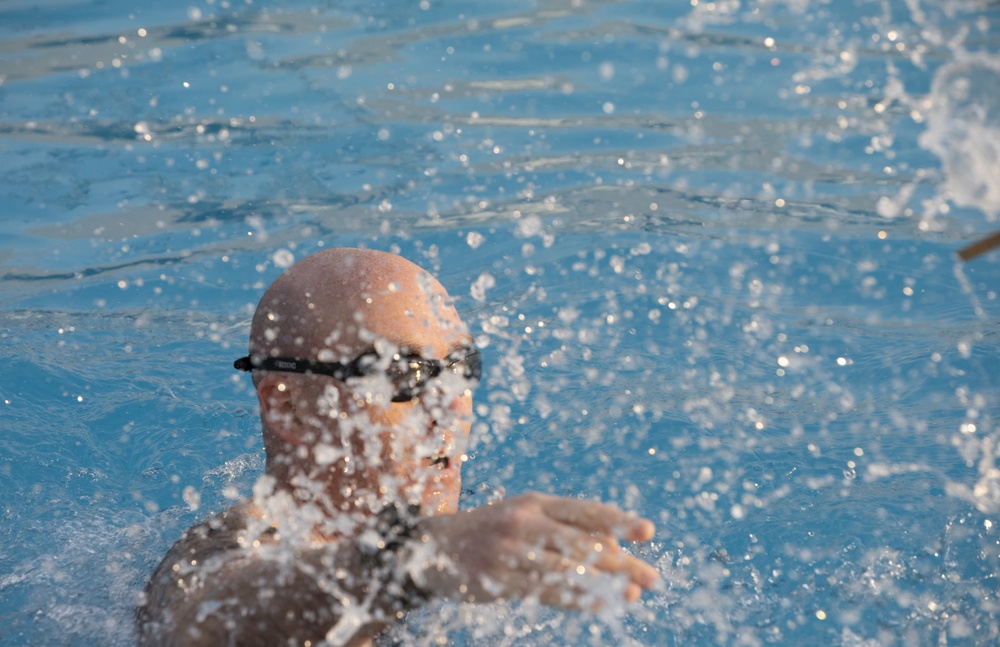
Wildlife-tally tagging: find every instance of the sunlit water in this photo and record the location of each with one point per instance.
(707, 248)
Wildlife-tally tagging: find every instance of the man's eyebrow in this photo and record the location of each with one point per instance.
(406, 345)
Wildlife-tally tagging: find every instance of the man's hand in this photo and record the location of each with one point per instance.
(555, 548)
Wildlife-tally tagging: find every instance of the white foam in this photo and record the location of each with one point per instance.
(963, 129)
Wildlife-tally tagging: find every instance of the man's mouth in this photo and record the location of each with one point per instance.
(441, 461)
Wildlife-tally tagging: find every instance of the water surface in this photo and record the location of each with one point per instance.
(707, 249)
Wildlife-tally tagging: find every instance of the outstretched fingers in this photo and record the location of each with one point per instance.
(565, 551)
(577, 558)
(597, 517)
(594, 550)
(563, 582)
(639, 572)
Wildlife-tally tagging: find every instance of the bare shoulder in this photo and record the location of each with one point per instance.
(235, 580)
(204, 552)
(203, 544)
(223, 532)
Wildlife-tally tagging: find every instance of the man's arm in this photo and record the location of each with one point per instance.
(562, 551)
(555, 548)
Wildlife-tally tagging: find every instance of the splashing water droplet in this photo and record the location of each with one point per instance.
(283, 258)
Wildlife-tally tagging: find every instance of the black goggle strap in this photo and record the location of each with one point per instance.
(472, 361)
(336, 370)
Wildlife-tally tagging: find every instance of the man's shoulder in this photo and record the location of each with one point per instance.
(225, 531)
(204, 547)
(207, 545)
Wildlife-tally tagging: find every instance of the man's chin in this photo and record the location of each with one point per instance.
(440, 502)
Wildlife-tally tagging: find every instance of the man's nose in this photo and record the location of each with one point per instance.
(461, 403)
(458, 406)
(456, 401)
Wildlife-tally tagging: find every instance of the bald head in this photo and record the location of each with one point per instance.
(338, 303)
(353, 436)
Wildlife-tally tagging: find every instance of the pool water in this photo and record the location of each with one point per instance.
(707, 248)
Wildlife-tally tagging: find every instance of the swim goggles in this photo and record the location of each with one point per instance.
(409, 373)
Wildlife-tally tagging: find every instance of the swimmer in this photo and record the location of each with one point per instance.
(365, 373)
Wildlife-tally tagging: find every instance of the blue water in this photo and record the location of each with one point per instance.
(707, 248)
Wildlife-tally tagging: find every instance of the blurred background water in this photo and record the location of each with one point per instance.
(707, 248)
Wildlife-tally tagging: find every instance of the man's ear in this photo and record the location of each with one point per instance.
(276, 394)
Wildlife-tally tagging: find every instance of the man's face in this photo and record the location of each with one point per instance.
(416, 447)
(412, 449)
